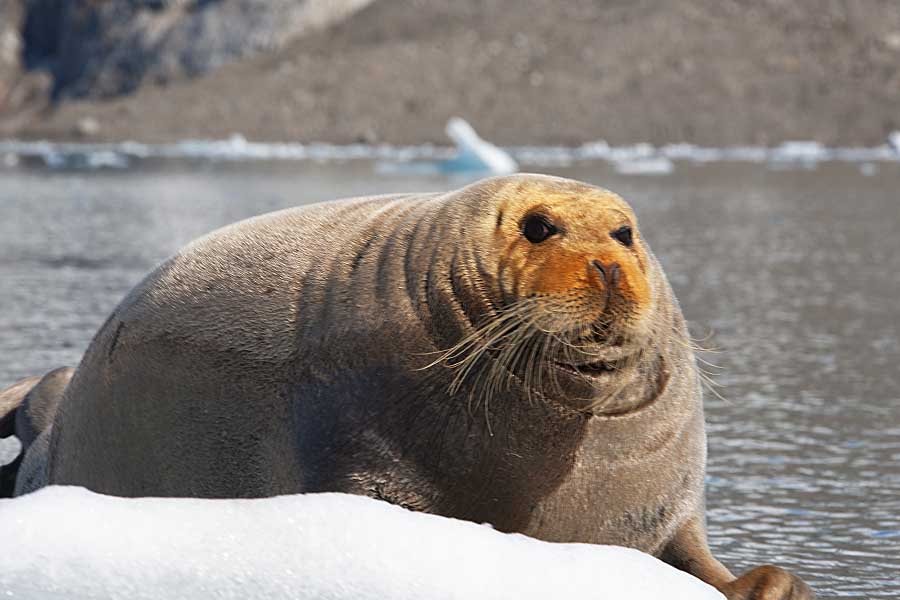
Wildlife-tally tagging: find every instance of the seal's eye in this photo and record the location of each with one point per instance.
(537, 228)
(623, 235)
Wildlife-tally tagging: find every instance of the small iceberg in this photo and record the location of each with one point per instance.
(472, 157)
(67, 542)
(474, 154)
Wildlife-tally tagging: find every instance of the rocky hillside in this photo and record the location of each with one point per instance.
(716, 72)
(23, 94)
(108, 48)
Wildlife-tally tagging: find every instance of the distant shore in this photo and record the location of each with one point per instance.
(531, 72)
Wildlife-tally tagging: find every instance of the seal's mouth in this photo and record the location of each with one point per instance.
(596, 369)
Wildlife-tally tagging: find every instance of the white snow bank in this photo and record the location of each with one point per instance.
(64, 542)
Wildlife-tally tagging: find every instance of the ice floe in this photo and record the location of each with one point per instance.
(65, 542)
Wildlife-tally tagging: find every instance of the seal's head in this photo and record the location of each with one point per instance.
(571, 286)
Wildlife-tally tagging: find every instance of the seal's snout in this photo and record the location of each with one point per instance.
(609, 274)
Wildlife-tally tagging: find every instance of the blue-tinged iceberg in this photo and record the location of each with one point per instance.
(475, 154)
(70, 543)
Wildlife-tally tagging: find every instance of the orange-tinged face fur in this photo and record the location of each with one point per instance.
(591, 269)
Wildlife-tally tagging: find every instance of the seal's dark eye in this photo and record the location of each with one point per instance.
(623, 235)
(537, 228)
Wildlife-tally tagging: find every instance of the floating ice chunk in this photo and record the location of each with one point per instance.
(868, 169)
(630, 153)
(409, 168)
(594, 150)
(474, 153)
(135, 149)
(855, 155)
(108, 159)
(653, 165)
(799, 151)
(746, 153)
(54, 159)
(894, 141)
(544, 156)
(70, 543)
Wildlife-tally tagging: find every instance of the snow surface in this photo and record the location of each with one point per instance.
(66, 542)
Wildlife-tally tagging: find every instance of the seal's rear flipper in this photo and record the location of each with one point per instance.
(10, 400)
(27, 409)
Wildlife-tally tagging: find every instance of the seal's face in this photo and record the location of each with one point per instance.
(580, 251)
(572, 278)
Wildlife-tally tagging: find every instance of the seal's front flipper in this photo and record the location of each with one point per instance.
(768, 581)
(689, 551)
(27, 409)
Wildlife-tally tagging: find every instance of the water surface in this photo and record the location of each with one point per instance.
(793, 276)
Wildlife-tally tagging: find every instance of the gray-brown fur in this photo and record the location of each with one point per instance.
(301, 351)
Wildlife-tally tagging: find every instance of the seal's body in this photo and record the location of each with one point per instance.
(507, 353)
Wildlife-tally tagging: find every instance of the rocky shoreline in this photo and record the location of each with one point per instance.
(708, 72)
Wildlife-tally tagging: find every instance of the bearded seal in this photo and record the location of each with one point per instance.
(508, 353)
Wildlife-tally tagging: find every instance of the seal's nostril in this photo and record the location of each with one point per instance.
(599, 266)
(613, 274)
(608, 273)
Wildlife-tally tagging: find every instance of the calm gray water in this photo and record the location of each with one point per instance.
(793, 276)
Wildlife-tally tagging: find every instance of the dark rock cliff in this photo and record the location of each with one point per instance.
(105, 48)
